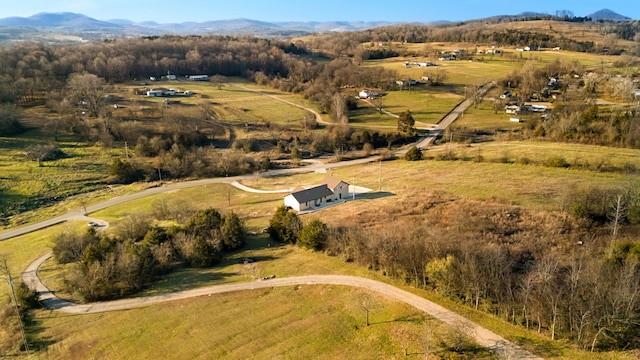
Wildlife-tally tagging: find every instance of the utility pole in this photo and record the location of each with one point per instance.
(380, 175)
(353, 193)
(15, 303)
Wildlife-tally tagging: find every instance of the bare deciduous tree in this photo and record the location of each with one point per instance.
(88, 90)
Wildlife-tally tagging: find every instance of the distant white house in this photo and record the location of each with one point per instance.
(331, 190)
(535, 108)
(636, 92)
(512, 109)
(171, 77)
(368, 94)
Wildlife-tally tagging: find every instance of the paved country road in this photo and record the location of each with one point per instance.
(482, 336)
(79, 213)
(451, 117)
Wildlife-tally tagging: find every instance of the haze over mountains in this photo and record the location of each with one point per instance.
(73, 27)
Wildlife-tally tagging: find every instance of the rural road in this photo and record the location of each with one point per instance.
(79, 213)
(482, 336)
(450, 118)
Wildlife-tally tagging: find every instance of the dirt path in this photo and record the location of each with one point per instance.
(79, 213)
(481, 335)
(315, 113)
(258, 191)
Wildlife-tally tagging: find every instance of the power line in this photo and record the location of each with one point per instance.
(17, 308)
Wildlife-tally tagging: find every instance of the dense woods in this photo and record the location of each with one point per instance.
(29, 70)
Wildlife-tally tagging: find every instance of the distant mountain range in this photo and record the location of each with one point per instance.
(68, 26)
(89, 28)
(606, 14)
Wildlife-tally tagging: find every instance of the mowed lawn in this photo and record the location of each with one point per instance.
(484, 117)
(428, 104)
(301, 322)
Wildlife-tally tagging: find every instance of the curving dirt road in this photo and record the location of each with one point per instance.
(315, 113)
(481, 335)
(79, 213)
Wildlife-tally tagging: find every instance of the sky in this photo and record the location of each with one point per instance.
(165, 11)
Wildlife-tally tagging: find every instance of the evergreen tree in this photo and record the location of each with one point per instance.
(284, 226)
(313, 235)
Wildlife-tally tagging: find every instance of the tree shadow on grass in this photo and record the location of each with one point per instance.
(541, 347)
(415, 318)
(33, 331)
(374, 195)
(187, 279)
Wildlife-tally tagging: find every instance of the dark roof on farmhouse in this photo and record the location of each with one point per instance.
(314, 193)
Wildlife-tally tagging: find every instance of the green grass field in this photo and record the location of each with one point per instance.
(24, 184)
(300, 322)
(428, 104)
(485, 118)
(232, 104)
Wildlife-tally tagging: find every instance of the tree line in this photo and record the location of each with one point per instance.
(109, 267)
(566, 275)
(30, 70)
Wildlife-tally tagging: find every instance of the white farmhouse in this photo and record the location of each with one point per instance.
(331, 190)
(161, 92)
